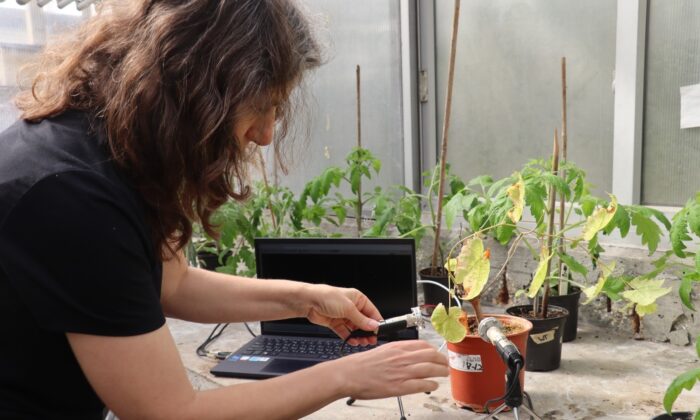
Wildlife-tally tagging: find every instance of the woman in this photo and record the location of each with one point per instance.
(134, 128)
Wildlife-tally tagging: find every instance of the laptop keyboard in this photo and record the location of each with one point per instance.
(301, 348)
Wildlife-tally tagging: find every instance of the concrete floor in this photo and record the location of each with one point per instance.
(601, 377)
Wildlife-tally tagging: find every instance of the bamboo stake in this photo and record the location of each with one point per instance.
(563, 283)
(552, 196)
(358, 205)
(267, 187)
(445, 130)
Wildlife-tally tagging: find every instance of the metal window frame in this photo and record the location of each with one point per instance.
(408, 10)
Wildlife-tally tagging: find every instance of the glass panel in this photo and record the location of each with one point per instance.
(670, 170)
(23, 31)
(507, 89)
(368, 34)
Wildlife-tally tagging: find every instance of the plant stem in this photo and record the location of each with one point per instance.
(550, 227)
(358, 203)
(476, 304)
(563, 285)
(445, 130)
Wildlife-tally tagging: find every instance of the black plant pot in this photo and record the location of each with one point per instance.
(545, 340)
(676, 415)
(434, 294)
(210, 261)
(570, 303)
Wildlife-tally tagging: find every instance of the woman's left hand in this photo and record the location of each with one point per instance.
(343, 310)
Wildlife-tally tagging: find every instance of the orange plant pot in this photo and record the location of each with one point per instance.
(477, 372)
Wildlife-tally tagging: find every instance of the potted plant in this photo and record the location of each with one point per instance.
(686, 266)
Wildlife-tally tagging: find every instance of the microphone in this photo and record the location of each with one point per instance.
(491, 331)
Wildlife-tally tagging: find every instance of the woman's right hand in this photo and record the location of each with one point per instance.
(393, 369)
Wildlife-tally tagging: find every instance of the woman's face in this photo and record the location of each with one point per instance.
(256, 126)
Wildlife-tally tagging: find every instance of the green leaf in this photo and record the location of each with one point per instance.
(340, 214)
(645, 292)
(593, 291)
(355, 180)
(679, 233)
(697, 261)
(599, 219)
(473, 267)
(660, 217)
(685, 291)
(535, 198)
(694, 219)
(697, 346)
(447, 324)
(588, 204)
(683, 381)
(614, 286)
(504, 234)
(621, 221)
(648, 230)
(516, 193)
(484, 181)
(451, 209)
(377, 165)
(540, 273)
(574, 265)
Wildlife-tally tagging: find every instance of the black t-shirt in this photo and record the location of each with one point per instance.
(75, 256)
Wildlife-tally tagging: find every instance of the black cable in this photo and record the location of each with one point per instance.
(247, 327)
(354, 334)
(518, 367)
(215, 333)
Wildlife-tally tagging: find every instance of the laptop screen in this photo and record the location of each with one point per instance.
(382, 269)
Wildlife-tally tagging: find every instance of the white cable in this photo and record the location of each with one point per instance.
(459, 304)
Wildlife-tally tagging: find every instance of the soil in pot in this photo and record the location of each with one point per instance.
(676, 415)
(477, 373)
(569, 302)
(432, 294)
(545, 340)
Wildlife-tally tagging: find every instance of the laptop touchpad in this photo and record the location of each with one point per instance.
(287, 365)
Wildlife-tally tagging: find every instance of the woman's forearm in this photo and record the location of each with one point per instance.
(205, 296)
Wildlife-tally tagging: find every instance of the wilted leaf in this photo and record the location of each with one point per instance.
(447, 324)
(473, 267)
(540, 273)
(599, 219)
(645, 292)
(516, 193)
(593, 291)
(642, 310)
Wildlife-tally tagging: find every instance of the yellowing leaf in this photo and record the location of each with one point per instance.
(645, 292)
(516, 193)
(540, 273)
(599, 219)
(451, 264)
(447, 324)
(473, 267)
(642, 310)
(593, 291)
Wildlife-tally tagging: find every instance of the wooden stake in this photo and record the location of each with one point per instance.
(563, 283)
(445, 131)
(550, 232)
(358, 205)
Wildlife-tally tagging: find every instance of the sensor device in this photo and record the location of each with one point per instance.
(491, 331)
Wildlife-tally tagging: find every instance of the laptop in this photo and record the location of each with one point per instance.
(383, 269)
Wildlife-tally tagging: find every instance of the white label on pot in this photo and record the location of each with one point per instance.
(544, 337)
(465, 362)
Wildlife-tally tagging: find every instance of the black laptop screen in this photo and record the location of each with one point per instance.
(383, 269)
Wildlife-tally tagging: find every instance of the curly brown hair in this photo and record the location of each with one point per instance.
(166, 79)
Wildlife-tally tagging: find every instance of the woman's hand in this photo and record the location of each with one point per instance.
(343, 310)
(392, 369)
